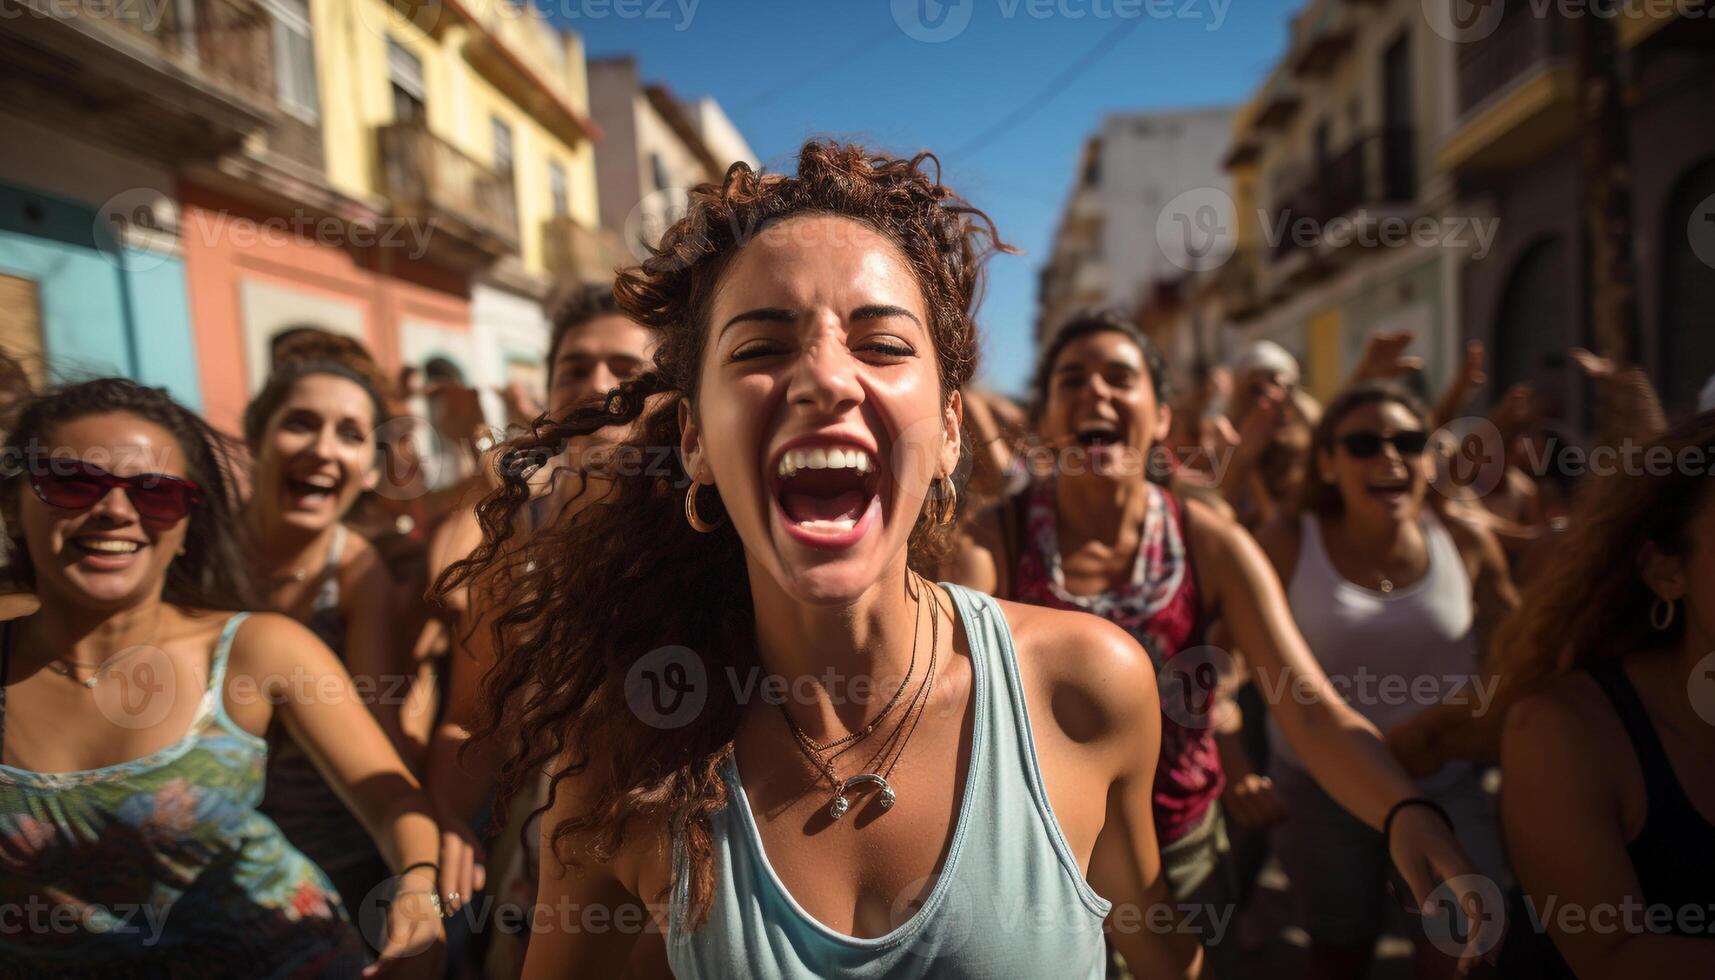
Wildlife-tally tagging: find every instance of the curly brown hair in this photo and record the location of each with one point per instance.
(580, 602)
(1596, 604)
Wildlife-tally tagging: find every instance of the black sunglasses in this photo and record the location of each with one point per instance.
(76, 485)
(1368, 445)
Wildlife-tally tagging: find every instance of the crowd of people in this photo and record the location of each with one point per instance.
(769, 645)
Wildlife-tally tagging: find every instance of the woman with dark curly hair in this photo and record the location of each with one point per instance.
(804, 758)
(133, 702)
(1610, 740)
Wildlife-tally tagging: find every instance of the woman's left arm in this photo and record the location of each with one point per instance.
(1340, 748)
(374, 654)
(320, 708)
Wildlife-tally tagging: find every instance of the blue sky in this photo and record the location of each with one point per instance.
(870, 70)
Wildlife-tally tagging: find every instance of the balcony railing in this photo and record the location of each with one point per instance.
(235, 47)
(1523, 43)
(1374, 170)
(572, 251)
(426, 177)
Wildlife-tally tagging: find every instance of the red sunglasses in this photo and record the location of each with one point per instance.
(76, 485)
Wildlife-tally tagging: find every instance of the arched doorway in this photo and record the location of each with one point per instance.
(1687, 328)
(1536, 325)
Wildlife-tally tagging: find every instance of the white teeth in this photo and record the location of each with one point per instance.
(110, 547)
(843, 524)
(822, 458)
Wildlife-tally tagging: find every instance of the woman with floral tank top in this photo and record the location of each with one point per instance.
(133, 701)
(1097, 533)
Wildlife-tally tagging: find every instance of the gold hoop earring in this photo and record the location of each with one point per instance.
(1662, 621)
(950, 502)
(691, 515)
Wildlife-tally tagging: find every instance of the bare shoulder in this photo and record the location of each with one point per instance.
(1567, 722)
(1075, 658)
(271, 643)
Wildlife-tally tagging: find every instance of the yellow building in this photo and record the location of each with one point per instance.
(434, 169)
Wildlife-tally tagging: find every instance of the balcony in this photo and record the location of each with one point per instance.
(574, 252)
(1374, 171)
(1515, 94)
(180, 79)
(472, 210)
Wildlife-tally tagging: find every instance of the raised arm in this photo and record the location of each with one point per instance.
(1341, 750)
(321, 710)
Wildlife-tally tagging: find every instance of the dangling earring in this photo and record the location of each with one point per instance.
(1662, 620)
(949, 501)
(691, 515)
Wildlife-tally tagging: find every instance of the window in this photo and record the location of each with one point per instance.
(502, 134)
(658, 170)
(405, 74)
(294, 59)
(557, 187)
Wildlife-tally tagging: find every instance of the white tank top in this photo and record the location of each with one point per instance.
(1390, 655)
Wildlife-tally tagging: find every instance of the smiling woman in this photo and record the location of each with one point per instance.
(311, 435)
(133, 698)
(902, 777)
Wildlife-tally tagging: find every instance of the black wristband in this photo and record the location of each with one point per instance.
(429, 864)
(1387, 824)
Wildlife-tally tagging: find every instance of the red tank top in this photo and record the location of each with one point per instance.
(1162, 609)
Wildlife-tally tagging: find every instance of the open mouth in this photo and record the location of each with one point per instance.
(1094, 435)
(312, 491)
(827, 493)
(104, 552)
(1390, 489)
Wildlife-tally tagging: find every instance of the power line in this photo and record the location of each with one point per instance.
(1046, 95)
(856, 51)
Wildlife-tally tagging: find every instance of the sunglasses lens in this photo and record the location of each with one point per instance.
(1363, 445)
(1411, 443)
(69, 492)
(163, 501)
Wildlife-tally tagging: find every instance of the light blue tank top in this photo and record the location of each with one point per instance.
(1010, 900)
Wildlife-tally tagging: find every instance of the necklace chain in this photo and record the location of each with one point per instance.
(906, 725)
